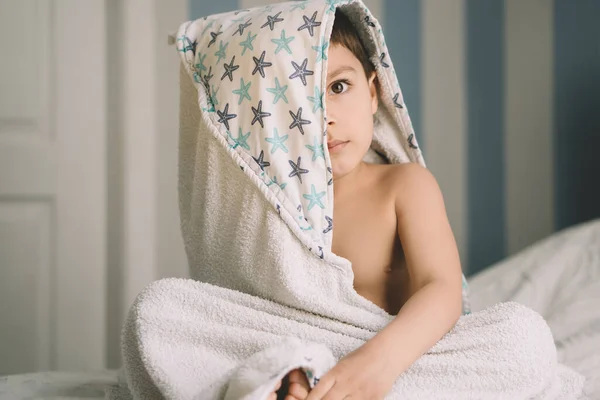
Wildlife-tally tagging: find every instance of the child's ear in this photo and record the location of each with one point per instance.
(373, 84)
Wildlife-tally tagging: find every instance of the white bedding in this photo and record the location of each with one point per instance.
(558, 277)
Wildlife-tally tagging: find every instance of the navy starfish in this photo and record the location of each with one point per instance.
(310, 23)
(241, 27)
(369, 22)
(329, 224)
(396, 101)
(208, 76)
(411, 139)
(383, 63)
(260, 160)
(298, 121)
(213, 35)
(261, 64)
(296, 169)
(259, 114)
(301, 71)
(229, 68)
(240, 11)
(271, 20)
(224, 116)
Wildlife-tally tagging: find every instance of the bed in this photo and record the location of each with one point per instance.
(559, 277)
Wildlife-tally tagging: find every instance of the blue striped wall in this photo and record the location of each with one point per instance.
(577, 110)
(505, 99)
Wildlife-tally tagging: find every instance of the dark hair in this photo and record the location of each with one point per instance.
(344, 34)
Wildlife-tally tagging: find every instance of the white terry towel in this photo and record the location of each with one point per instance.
(267, 294)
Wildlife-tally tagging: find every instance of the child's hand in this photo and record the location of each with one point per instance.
(362, 374)
(297, 388)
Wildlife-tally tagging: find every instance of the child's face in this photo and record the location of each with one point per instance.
(351, 101)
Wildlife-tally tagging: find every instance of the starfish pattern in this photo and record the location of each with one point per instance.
(330, 182)
(259, 114)
(314, 198)
(383, 63)
(271, 20)
(321, 51)
(278, 91)
(261, 64)
(329, 224)
(332, 4)
(229, 68)
(224, 116)
(241, 140)
(243, 91)
(267, 8)
(301, 5)
(369, 22)
(260, 160)
(318, 149)
(240, 11)
(283, 43)
(213, 95)
(187, 44)
(222, 52)
(213, 35)
(208, 26)
(281, 185)
(317, 100)
(310, 24)
(277, 141)
(247, 44)
(411, 141)
(296, 169)
(298, 121)
(206, 79)
(241, 27)
(398, 105)
(301, 71)
(200, 64)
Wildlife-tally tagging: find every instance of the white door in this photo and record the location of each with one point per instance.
(52, 185)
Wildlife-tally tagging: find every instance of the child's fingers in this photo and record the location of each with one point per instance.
(277, 387)
(298, 377)
(296, 392)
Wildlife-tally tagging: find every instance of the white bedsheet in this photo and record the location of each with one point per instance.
(558, 277)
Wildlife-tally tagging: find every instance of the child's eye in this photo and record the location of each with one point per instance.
(340, 86)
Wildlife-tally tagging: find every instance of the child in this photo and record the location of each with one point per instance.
(388, 218)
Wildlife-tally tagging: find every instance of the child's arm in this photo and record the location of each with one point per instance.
(434, 306)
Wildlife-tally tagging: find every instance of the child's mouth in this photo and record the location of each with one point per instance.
(336, 145)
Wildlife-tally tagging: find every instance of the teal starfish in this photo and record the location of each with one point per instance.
(239, 20)
(278, 91)
(315, 198)
(317, 100)
(200, 64)
(222, 52)
(243, 91)
(247, 44)
(241, 140)
(277, 141)
(283, 42)
(281, 185)
(213, 95)
(207, 27)
(267, 9)
(332, 4)
(321, 51)
(317, 149)
(301, 5)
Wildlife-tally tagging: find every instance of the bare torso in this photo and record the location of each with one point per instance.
(365, 233)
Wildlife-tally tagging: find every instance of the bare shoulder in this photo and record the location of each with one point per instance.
(414, 186)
